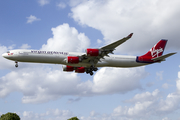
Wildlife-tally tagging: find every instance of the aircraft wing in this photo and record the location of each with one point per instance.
(104, 51)
(162, 58)
(112, 46)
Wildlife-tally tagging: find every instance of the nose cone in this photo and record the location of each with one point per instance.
(5, 55)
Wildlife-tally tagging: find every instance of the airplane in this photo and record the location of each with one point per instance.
(92, 59)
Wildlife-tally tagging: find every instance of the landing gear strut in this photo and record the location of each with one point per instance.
(16, 65)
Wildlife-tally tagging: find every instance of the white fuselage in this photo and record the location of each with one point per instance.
(54, 57)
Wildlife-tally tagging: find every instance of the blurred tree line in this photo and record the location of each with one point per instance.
(14, 116)
(73, 118)
(9, 116)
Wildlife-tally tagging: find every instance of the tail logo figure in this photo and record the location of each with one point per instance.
(155, 52)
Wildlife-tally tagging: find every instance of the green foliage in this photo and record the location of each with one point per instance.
(10, 116)
(73, 118)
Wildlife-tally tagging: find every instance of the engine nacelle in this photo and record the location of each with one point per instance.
(73, 59)
(93, 52)
(80, 70)
(68, 68)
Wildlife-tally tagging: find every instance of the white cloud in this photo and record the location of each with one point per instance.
(120, 80)
(11, 47)
(150, 84)
(117, 18)
(61, 5)
(71, 100)
(159, 75)
(139, 110)
(93, 114)
(170, 104)
(146, 96)
(42, 84)
(75, 2)
(166, 86)
(43, 2)
(66, 38)
(149, 107)
(166, 118)
(25, 46)
(178, 83)
(51, 114)
(32, 18)
(150, 104)
(99, 41)
(38, 84)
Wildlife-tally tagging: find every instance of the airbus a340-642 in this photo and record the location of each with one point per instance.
(91, 59)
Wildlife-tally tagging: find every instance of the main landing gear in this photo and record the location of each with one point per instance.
(91, 69)
(16, 65)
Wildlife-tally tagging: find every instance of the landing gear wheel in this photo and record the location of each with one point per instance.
(16, 65)
(95, 69)
(91, 73)
(87, 71)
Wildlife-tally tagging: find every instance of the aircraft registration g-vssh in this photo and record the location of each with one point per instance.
(92, 59)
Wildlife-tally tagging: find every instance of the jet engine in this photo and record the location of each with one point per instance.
(68, 68)
(93, 52)
(73, 59)
(80, 70)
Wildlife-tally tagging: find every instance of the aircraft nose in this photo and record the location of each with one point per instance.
(5, 55)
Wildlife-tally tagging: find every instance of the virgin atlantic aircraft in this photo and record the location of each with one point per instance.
(91, 59)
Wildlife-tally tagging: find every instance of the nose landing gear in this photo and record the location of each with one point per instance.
(16, 65)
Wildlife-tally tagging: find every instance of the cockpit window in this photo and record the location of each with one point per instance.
(8, 52)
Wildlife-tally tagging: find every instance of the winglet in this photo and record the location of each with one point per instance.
(130, 35)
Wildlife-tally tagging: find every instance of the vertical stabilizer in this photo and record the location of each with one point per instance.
(154, 52)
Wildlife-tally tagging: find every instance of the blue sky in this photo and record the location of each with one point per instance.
(45, 92)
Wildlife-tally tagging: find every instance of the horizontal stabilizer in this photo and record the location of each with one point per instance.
(162, 58)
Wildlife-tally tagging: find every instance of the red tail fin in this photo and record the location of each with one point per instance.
(154, 52)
